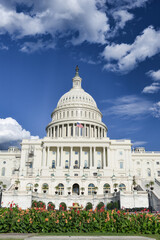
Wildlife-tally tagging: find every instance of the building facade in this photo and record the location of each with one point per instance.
(77, 159)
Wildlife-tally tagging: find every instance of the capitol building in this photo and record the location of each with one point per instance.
(78, 162)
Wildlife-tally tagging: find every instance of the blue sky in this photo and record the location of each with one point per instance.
(116, 45)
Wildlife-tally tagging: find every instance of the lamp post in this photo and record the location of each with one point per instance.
(0, 196)
(105, 198)
(151, 198)
(2, 188)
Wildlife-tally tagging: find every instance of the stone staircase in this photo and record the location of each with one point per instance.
(154, 197)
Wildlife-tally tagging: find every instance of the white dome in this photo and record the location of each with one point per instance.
(77, 97)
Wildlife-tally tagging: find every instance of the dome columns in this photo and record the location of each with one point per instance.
(72, 130)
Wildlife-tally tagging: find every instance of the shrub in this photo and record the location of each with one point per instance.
(39, 220)
(50, 206)
(39, 204)
(62, 206)
(113, 205)
(100, 205)
(88, 206)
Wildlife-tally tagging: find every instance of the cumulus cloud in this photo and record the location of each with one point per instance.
(56, 18)
(79, 20)
(125, 57)
(12, 131)
(155, 86)
(155, 75)
(121, 17)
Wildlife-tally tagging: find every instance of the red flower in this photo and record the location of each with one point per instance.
(60, 205)
(49, 205)
(11, 205)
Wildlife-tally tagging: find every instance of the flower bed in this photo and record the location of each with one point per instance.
(40, 220)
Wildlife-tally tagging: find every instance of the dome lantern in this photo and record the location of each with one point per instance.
(77, 80)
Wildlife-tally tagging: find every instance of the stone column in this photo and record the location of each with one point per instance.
(57, 160)
(61, 159)
(74, 133)
(70, 160)
(94, 159)
(89, 130)
(44, 156)
(104, 157)
(47, 161)
(90, 157)
(81, 164)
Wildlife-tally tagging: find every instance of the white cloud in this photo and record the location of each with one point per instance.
(156, 110)
(127, 4)
(56, 18)
(80, 20)
(29, 47)
(129, 106)
(145, 46)
(153, 88)
(139, 143)
(155, 75)
(132, 106)
(11, 131)
(121, 17)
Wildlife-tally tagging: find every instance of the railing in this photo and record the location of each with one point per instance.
(156, 181)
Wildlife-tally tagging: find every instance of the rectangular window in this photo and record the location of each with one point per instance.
(121, 165)
(53, 164)
(76, 153)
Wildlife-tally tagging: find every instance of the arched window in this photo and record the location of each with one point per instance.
(3, 171)
(53, 164)
(122, 187)
(61, 189)
(29, 187)
(106, 188)
(91, 189)
(66, 164)
(149, 172)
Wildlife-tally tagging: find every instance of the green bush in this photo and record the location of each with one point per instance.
(113, 205)
(100, 205)
(88, 206)
(50, 206)
(62, 206)
(39, 204)
(39, 220)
